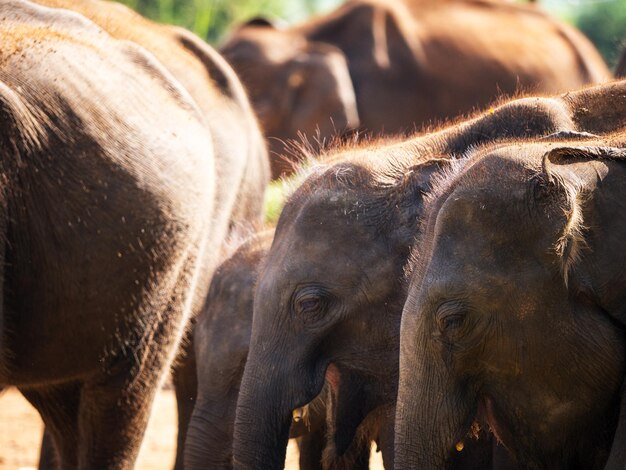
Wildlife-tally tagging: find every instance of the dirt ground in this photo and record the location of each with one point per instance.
(21, 429)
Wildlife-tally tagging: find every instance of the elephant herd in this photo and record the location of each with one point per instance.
(456, 295)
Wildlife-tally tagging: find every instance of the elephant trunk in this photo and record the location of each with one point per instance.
(186, 386)
(209, 436)
(267, 397)
(434, 409)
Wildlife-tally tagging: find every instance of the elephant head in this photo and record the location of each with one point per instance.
(327, 306)
(516, 307)
(299, 88)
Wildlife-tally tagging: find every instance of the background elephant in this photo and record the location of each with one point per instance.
(221, 341)
(240, 154)
(108, 221)
(329, 296)
(407, 64)
(515, 306)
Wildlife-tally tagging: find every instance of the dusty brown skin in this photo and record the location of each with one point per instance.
(515, 310)
(107, 226)
(241, 161)
(221, 340)
(330, 289)
(240, 154)
(409, 64)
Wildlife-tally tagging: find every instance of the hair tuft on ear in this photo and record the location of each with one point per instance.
(570, 244)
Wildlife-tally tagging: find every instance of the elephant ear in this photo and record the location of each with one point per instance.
(319, 98)
(566, 154)
(601, 285)
(410, 192)
(590, 241)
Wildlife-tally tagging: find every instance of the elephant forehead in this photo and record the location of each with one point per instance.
(491, 276)
(312, 262)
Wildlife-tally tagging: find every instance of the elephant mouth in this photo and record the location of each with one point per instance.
(487, 414)
(333, 378)
(349, 405)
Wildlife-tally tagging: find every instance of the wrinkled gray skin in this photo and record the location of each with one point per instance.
(221, 340)
(330, 290)
(241, 160)
(515, 311)
(389, 67)
(108, 220)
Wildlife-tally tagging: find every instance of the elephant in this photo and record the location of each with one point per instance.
(112, 218)
(515, 305)
(101, 250)
(221, 339)
(389, 67)
(330, 293)
(241, 161)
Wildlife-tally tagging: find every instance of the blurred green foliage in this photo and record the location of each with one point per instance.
(604, 22)
(275, 197)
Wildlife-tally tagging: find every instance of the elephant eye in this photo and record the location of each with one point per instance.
(309, 304)
(450, 316)
(308, 301)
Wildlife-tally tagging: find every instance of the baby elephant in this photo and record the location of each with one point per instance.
(221, 341)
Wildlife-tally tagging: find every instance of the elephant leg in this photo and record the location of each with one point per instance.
(186, 385)
(58, 407)
(113, 417)
(311, 446)
(210, 434)
(115, 405)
